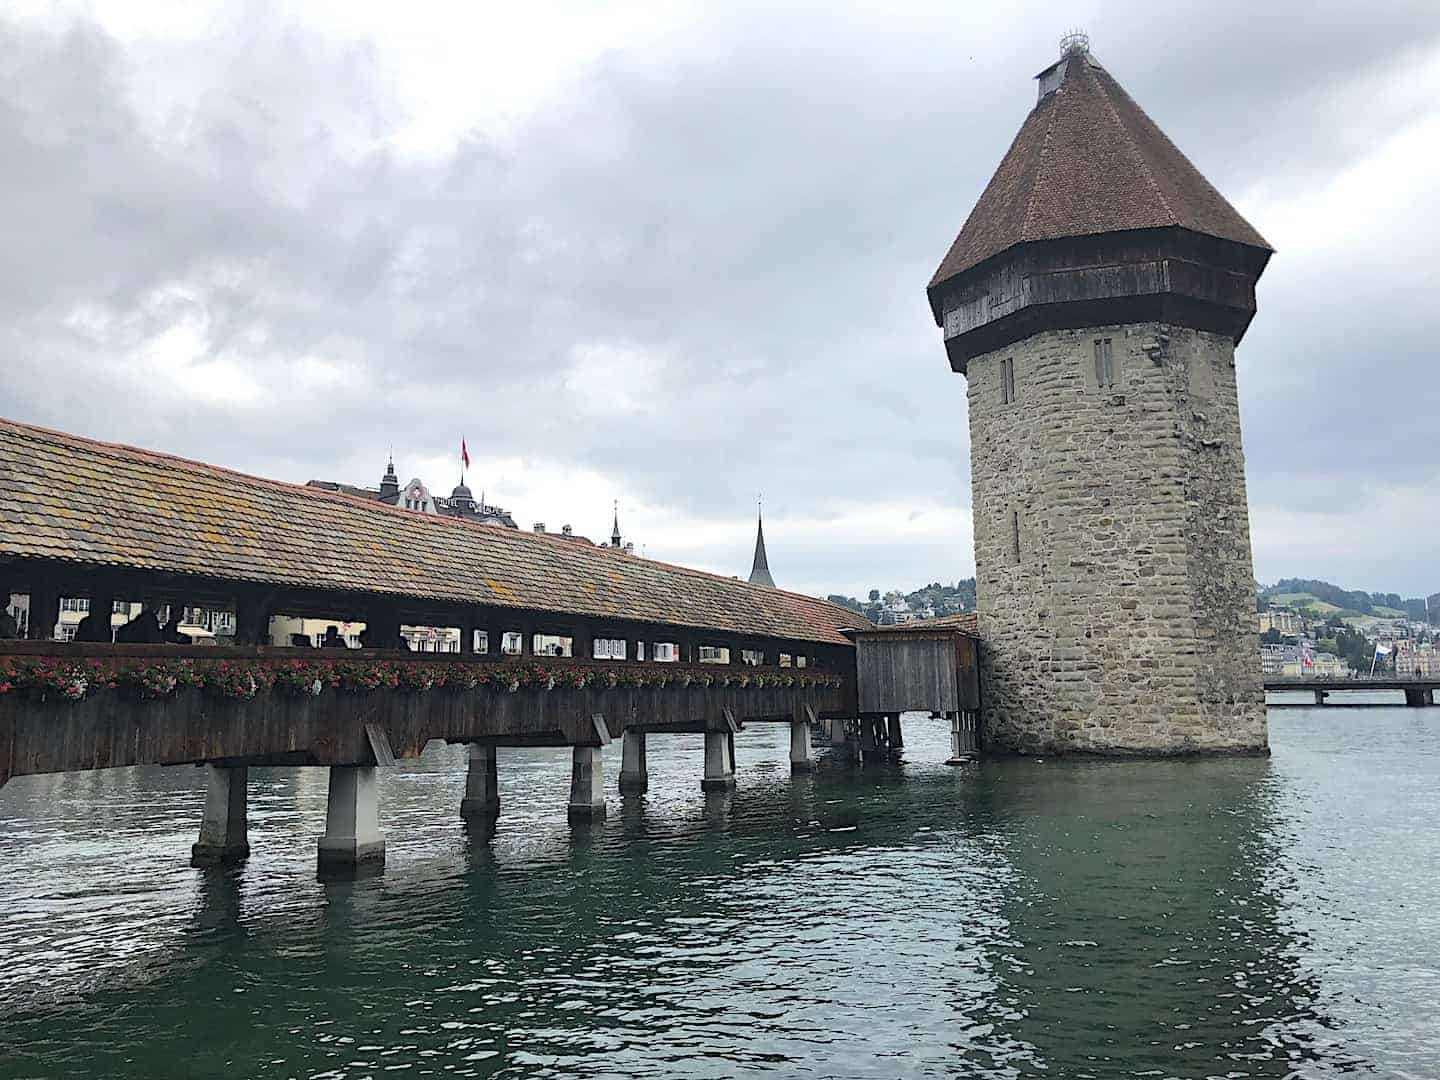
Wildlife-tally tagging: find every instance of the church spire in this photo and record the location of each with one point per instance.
(615, 529)
(760, 568)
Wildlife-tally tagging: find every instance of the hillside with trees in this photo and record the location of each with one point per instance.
(927, 602)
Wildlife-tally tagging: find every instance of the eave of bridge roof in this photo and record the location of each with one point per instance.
(64, 497)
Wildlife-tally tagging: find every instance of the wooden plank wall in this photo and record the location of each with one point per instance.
(907, 672)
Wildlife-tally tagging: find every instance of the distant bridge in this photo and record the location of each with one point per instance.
(1418, 692)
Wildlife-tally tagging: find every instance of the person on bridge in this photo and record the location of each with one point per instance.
(332, 639)
(143, 629)
(9, 629)
(95, 627)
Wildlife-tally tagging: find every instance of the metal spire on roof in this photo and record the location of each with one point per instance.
(615, 531)
(760, 568)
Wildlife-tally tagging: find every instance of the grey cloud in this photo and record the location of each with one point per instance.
(755, 210)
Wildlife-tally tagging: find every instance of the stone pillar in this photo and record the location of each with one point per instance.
(719, 761)
(634, 775)
(482, 792)
(352, 843)
(222, 829)
(587, 785)
(800, 758)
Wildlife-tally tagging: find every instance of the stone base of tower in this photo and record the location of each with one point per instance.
(1112, 545)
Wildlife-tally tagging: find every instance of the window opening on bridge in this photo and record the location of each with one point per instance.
(786, 660)
(639, 650)
(553, 645)
(609, 649)
(666, 652)
(1104, 364)
(753, 657)
(512, 643)
(714, 654)
(480, 641)
(1007, 380)
(801, 661)
(1015, 537)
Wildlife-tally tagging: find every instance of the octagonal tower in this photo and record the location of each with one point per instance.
(1093, 300)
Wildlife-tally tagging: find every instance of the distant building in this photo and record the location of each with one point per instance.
(415, 496)
(1281, 621)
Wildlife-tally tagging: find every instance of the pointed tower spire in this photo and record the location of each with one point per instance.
(615, 530)
(390, 483)
(760, 568)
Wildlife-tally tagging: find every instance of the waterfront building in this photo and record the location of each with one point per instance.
(1093, 299)
(1281, 621)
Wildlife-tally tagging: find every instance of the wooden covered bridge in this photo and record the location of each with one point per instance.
(562, 643)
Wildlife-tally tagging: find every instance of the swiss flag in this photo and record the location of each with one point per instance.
(464, 453)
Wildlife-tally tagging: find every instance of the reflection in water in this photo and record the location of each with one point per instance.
(1259, 918)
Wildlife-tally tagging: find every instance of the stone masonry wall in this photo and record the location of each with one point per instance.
(1126, 621)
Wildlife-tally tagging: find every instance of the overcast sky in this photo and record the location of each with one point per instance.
(675, 254)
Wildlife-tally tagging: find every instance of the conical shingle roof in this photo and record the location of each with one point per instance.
(1088, 160)
(760, 568)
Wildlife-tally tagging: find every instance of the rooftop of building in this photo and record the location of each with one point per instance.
(1088, 160)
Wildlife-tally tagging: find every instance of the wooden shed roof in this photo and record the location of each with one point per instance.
(69, 498)
(1088, 160)
(965, 622)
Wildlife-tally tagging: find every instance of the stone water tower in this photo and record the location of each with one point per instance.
(1093, 300)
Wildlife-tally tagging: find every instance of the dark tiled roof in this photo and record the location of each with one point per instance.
(65, 497)
(1088, 160)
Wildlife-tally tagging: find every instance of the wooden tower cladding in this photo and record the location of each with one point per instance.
(1094, 299)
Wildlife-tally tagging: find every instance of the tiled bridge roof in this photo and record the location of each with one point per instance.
(75, 499)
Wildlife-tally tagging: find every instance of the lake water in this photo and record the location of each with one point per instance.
(1245, 918)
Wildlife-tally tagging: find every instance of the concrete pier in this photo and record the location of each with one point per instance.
(634, 776)
(482, 792)
(587, 785)
(222, 830)
(352, 844)
(719, 761)
(801, 759)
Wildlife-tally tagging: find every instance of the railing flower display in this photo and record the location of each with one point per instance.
(48, 678)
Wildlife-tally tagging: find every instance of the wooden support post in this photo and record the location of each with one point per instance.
(1321, 695)
(44, 612)
(896, 738)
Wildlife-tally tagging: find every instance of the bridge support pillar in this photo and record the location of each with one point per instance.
(222, 830)
(897, 738)
(352, 844)
(1320, 696)
(962, 737)
(634, 775)
(482, 792)
(1417, 697)
(800, 757)
(719, 761)
(587, 785)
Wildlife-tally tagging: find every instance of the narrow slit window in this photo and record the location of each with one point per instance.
(1007, 380)
(1015, 537)
(1104, 364)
